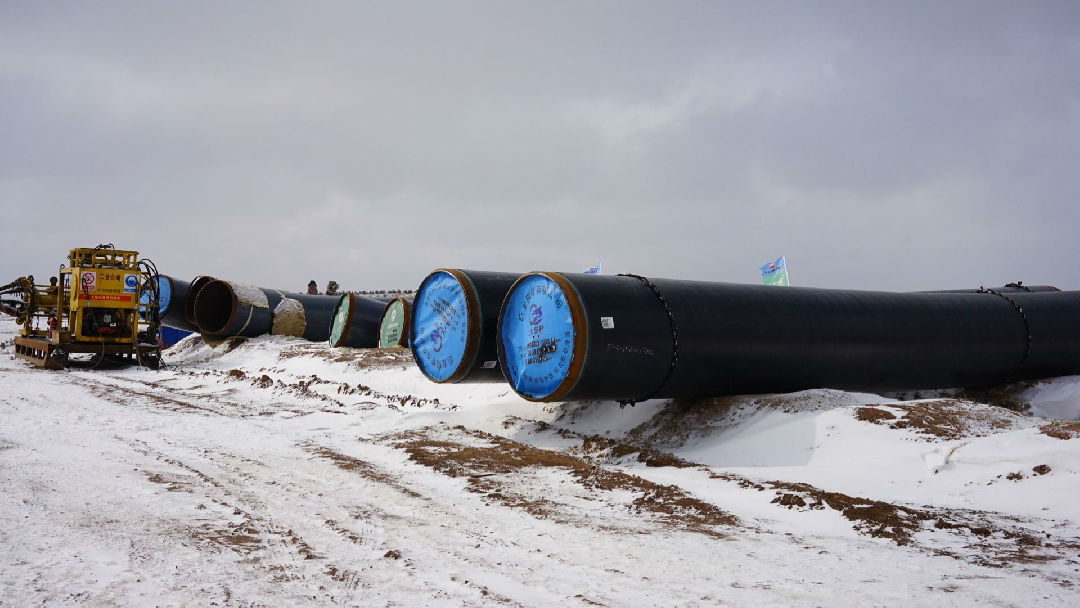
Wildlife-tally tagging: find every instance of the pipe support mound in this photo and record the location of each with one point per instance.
(572, 336)
(454, 325)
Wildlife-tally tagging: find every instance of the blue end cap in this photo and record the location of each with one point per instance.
(537, 336)
(164, 287)
(440, 326)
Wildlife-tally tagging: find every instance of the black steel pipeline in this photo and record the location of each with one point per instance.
(571, 337)
(454, 325)
(172, 301)
(395, 323)
(355, 321)
(224, 309)
(1017, 287)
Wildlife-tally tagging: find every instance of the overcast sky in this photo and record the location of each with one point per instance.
(902, 145)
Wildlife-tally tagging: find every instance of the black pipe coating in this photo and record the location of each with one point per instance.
(224, 309)
(454, 325)
(191, 295)
(572, 336)
(355, 321)
(1009, 288)
(172, 298)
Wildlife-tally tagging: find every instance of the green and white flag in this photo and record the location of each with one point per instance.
(775, 273)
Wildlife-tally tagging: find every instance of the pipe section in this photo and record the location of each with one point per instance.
(394, 327)
(192, 295)
(454, 325)
(573, 336)
(224, 309)
(355, 321)
(172, 301)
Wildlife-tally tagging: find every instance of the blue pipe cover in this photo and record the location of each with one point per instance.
(440, 326)
(164, 286)
(537, 336)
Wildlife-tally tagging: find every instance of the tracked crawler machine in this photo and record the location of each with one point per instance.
(104, 304)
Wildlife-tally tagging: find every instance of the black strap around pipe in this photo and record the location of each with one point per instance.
(1027, 327)
(674, 339)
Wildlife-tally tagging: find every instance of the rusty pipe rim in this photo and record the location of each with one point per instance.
(341, 322)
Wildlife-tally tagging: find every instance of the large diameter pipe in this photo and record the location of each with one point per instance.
(454, 325)
(395, 323)
(192, 295)
(172, 296)
(355, 321)
(572, 337)
(224, 309)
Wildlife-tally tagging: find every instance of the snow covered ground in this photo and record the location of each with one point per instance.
(276, 472)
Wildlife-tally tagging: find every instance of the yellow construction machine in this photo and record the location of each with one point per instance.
(104, 304)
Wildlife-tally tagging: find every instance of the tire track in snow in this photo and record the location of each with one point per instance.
(266, 538)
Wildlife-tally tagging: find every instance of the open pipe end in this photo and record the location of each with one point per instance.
(542, 336)
(445, 332)
(192, 295)
(215, 306)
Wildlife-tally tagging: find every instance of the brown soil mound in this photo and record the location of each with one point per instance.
(1061, 430)
(597, 446)
(872, 517)
(684, 419)
(360, 358)
(945, 419)
(1000, 543)
(486, 465)
(873, 414)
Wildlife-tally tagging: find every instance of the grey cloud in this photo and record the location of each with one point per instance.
(891, 146)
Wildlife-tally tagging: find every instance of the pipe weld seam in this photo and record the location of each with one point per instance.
(1027, 328)
(674, 339)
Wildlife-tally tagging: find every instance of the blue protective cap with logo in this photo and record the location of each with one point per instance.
(536, 336)
(440, 327)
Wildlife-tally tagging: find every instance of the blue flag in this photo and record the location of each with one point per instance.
(775, 273)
